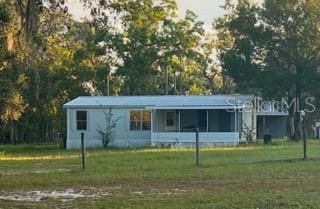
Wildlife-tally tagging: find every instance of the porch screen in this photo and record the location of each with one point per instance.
(170, 118)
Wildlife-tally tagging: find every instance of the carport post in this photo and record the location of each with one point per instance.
(197, 147)
(83, 152)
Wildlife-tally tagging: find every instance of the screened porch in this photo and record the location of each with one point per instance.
(179, 126)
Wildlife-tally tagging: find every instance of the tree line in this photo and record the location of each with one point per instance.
(141, 47)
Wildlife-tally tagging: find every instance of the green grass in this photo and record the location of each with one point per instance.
(254, 176)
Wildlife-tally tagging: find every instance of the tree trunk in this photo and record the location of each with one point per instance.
(295, 113)
(12, 133)
(37, 82)
(43, 130)
(295, 121)
(291, 118)
(297, 126)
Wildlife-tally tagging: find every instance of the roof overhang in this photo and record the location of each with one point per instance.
(162, 102)
(155, 107)
(195, 107)
(272, 114)
(102, 107)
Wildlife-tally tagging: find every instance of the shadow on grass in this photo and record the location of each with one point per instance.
(290, 160)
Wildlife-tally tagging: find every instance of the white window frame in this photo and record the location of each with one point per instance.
(141, 120)
(86, 121)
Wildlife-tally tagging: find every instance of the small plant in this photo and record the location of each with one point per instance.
(107, 132)
(248, 133)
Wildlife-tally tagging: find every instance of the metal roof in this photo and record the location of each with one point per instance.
(270, 109)
(162, 102)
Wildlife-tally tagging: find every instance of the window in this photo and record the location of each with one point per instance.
(135, 120)
(140, 120)
(81, 120)
(170, 118)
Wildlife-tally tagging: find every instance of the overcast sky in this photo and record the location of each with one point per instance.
(207, 10)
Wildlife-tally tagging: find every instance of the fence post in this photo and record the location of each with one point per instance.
(304, 142)
(197, 147)
(83, 152)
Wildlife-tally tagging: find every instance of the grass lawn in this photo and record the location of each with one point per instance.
(254, 176)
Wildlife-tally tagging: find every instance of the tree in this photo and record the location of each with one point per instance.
(139, 44)
(181, 53)
(152, 45)
(28, 15)
(130, 47)
(210, 70)
(12, 104)
(4, 21)
(275, 51)
(42, 70)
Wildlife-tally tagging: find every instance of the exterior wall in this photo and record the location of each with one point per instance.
(249, 120)
(123, 137)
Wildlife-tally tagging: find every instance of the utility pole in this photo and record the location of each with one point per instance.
(108, 84)
(167, 80)
(175, 82)
(181, 93)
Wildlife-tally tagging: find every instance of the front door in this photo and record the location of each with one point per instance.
(170, 122)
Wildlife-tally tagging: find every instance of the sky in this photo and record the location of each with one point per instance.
(207, 10)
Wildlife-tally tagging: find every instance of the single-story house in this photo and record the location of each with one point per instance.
(145, 121)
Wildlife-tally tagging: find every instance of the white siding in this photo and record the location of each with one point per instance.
(249, 120)
(123, 137)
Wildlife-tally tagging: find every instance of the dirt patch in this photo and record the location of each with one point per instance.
(157, 193)
(86, 192)
(36, 172)
(62, 195)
